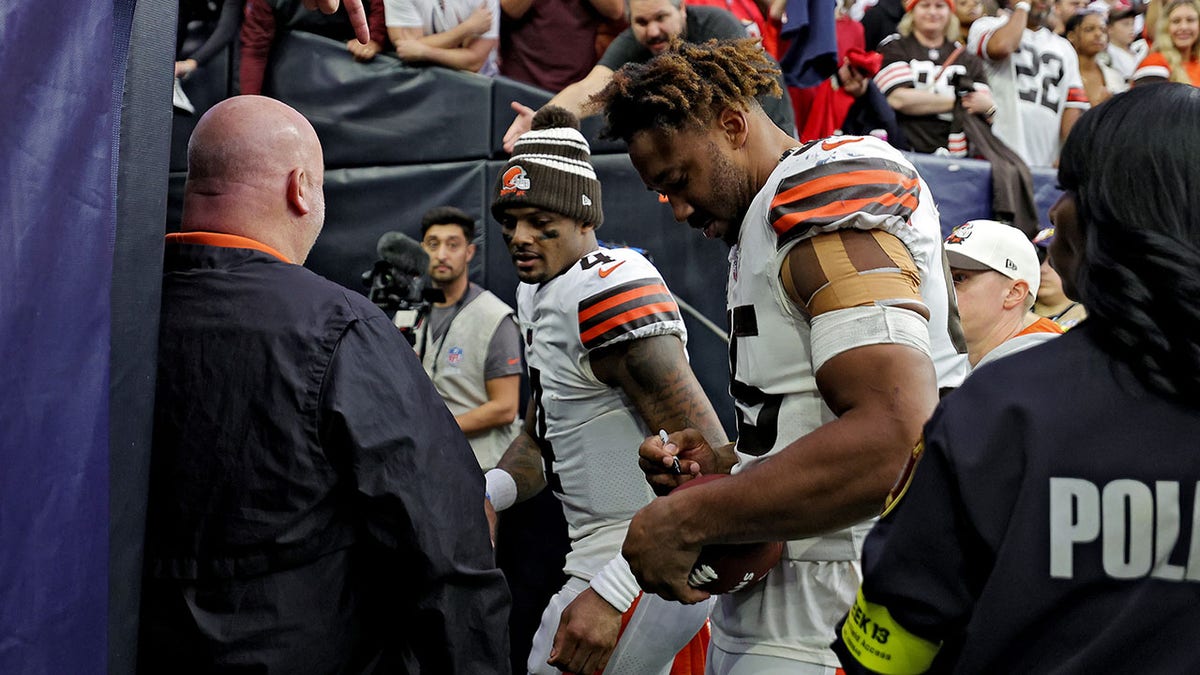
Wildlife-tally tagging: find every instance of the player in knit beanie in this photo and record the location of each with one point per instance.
(551, 169)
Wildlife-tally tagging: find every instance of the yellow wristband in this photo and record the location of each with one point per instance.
(882, 645)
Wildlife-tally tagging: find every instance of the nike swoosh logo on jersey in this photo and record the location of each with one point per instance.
(833, 145)
(605, 272)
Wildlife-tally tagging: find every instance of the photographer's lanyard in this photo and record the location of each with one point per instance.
(441, 342)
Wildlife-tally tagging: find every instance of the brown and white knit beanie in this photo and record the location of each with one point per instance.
(551, 169)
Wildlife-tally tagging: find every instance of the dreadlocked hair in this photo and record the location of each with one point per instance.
(686, 86)
(1140, 271)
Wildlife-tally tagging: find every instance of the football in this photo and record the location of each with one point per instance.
(727, 568)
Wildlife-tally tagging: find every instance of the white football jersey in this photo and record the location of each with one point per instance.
(589, 432)
(1031, 88)
(841, 182)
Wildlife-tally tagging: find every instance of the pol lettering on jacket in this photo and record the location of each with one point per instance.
(1137, 524)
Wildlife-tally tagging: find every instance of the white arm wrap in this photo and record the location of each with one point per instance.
(615, 583)
(501, 489)
(844, 329)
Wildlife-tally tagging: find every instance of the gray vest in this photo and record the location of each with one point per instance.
(456, 364)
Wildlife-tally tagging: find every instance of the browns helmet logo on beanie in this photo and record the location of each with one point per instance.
(551, 169)
(514, 182)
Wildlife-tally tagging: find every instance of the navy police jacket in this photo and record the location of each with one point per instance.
(1051, 524)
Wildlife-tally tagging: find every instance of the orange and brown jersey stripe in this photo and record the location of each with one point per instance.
(624, 308)
(826, 194)
(1077, 95)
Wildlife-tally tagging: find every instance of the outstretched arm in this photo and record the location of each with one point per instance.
(574, 98)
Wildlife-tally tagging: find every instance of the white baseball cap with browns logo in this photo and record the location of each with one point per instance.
(989, 245)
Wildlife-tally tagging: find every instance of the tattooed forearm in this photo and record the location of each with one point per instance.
(523, 461)
(659, 380)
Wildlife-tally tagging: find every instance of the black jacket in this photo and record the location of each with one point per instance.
(314, 507)
(1049, 527)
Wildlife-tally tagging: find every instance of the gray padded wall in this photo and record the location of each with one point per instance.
(381, 113)
(362, 204)
(961, 188)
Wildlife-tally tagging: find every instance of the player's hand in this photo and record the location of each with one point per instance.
(587, 634)
(657, 459)
(657, 553)
(354, 8)
(519, 126)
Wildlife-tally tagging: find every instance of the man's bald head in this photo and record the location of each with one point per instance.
(247, 138)
(255, 169)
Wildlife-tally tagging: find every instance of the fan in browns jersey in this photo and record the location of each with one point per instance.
(840, 331)
(1034, 75)
(605, 349)
(924, 84)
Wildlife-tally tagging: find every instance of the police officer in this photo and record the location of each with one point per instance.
(1050, 525)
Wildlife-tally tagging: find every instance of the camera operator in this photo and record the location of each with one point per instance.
(470, 344)
(399, 283)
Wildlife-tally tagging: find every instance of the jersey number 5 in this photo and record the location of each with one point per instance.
(756, 432)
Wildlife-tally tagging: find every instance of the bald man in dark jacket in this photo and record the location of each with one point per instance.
(313, 507)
